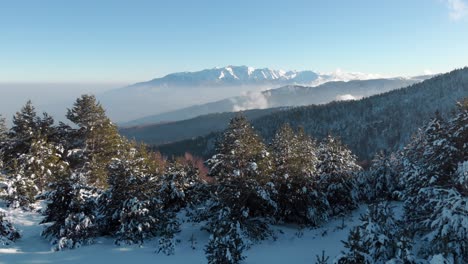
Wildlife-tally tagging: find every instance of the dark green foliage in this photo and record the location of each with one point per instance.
(8, 233)
(380, 181)
(337, 169)
(226, 244)
(96, 137)
(381, 122)
(240, 152)
(434, 171)
(295, 160)
(357, 250)
(322, 259)
(71, 210)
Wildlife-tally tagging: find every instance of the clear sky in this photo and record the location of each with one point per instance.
(128, 41)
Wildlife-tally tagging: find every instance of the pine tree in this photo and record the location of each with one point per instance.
(380, 181)
(25, 122)
(242, 197)
(180, 186)
(357, 250)
(446, 228)
(294, 159)
(337, 167)
(130, 178)
(3, 130)
(42, 161)
(436, 196)
(133, 206)
(226, 244)
(8, 233)
(72, 212)
(97, 139)
(240, 152)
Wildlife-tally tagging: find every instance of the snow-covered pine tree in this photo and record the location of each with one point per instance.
(29, 156)
(337, 167)
(8, 233)
(132, 207)
(295, 160)
(3, 140)
(180, 185)
(19, 191)
(436, 207)
(380, 181)
(3, 131)
(42, 161)
(71, 212)
(376, 239)
(226, 243)
(357, 250)
(242, 194)
(240, 152)
(95, 142)
(458, 131)
(445, 228)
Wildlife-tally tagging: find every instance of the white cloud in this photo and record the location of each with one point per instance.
(428, 72)
(345, 97)
(458, 9)
(250, 100)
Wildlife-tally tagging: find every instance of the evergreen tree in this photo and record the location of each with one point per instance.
(337, 167)
(380, 181)
(436, 197)
(133, 207)
(8, 233)
(376, 239)
(226, 244)
(71, 211)
(96, 142)
(3, 130)
(240, 152)
(357, 250)
(25, 122)
(41, 162)
(445, 228)
(294, 159)
(242, 196)
(181, 186)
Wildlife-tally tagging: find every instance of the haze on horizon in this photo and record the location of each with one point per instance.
(53, 51)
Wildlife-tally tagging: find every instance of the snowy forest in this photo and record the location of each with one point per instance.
(87, 182)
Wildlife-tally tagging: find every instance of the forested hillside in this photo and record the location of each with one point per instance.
(380, 122)
(199, 126)
(291, 95)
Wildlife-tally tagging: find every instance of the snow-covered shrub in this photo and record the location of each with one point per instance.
(8, 233)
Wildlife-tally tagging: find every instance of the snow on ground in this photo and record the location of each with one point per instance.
(291, 246)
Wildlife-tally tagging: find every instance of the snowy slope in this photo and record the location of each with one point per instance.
(291, 246)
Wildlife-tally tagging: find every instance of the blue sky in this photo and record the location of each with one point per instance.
(128, 41)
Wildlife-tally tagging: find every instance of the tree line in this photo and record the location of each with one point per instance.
(97, 183)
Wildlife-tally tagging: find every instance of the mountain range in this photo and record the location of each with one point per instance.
(381, 122)
(290, 95)
(184, 89)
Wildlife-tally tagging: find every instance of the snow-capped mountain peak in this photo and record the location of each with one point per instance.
(246, 75)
